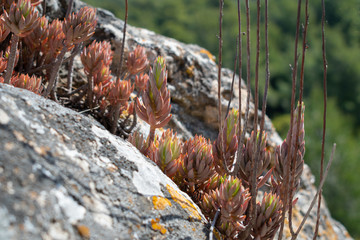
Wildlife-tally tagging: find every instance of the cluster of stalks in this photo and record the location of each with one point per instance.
(224, 177)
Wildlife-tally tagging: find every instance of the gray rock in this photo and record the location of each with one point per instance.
(63, 176)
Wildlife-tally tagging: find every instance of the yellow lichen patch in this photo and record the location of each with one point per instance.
(183, 202)
(83, 230)
(155, 225)
(190, 71)
(160, 203)
(210, 56)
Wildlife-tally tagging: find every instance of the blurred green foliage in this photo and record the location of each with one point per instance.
(196, 21)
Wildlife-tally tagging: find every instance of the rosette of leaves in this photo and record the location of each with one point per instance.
(232, 199)
(141, 81)
(137, 61)
(119, 93)
(95, 58)
(166, 152)
(296, 152)
(25, 81)
(79, 27)
(268, 217)
(155, 106)
(21, 19)
(138, 140)
(197, 166)
(248, 155)
(225, 146)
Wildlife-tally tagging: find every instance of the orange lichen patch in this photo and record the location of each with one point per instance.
(183, 202)
(155, 225)
(329, 232)
(210, 56)
(83, 230)
(190, 71)
(160, 203)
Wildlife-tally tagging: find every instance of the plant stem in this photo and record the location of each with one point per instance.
(324, 113)
(287, 197)
(240, 139)
(122, 44)
(54, 72)
(316, 195)
(12, 57)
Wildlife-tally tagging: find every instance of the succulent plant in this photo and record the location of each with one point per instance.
(119, 93)
(79, 27)
(281, 156)
(52, 45)
(155, 106)
(96, 59)
(197, 166)
(248, 154)
(21, 19)
(225, 146)
(25, 81)
(166, 152)
(138, 140)
(95, 56)
(232, 199)
(268, 217)
(137, 61)
(141, 81)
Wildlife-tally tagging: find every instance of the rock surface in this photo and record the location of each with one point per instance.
(63, 176)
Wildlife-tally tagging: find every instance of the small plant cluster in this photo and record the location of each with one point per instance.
(33, 49)
(201, 168)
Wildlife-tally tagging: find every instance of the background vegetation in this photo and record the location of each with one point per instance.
(196, 21)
